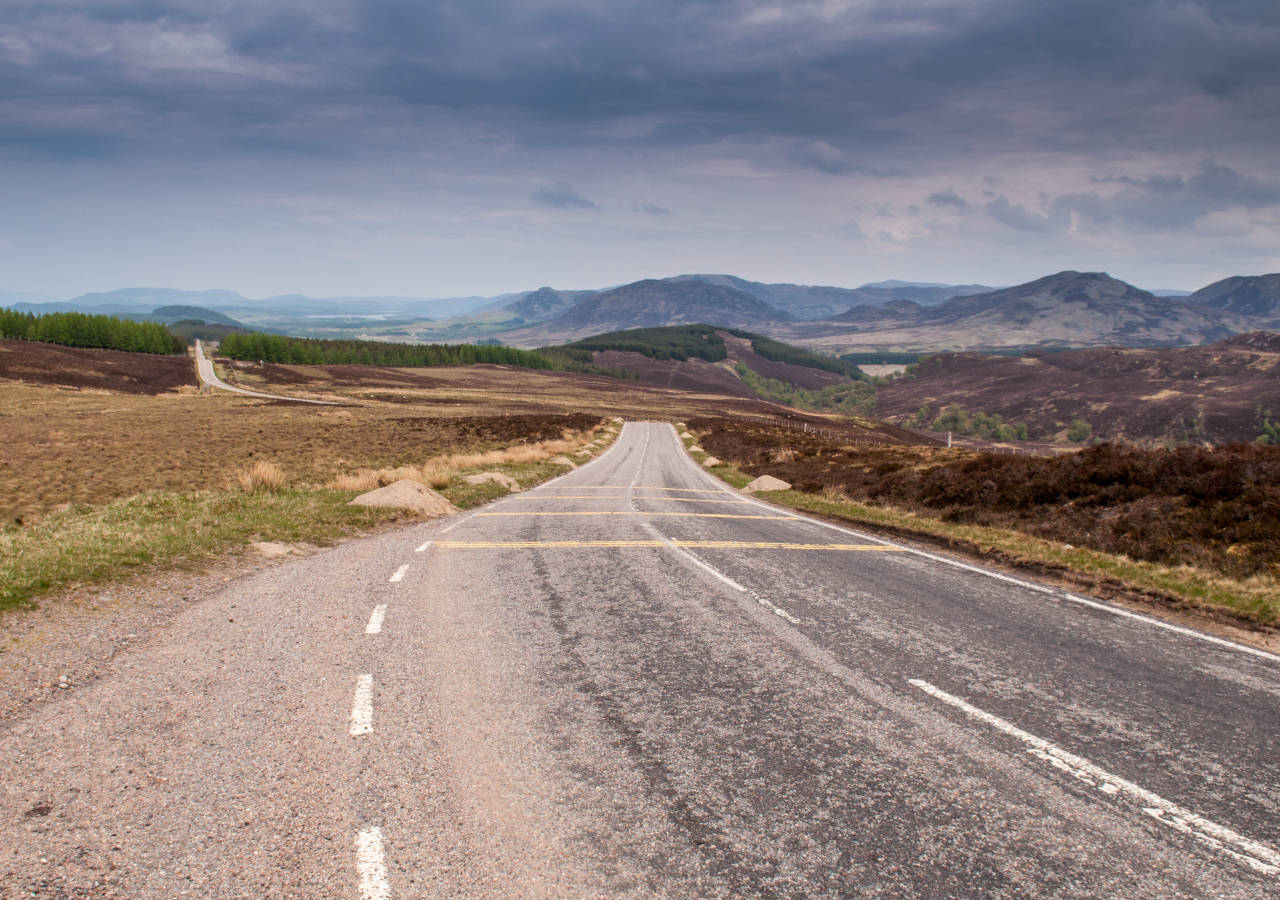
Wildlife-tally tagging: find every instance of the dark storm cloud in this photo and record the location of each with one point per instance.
(561, 195)
(843, 84)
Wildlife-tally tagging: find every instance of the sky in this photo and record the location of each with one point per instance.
(432, 149)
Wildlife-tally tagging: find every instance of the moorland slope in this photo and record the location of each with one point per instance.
(1216, 393)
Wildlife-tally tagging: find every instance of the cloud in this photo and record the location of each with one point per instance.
(1174, 202)
(948, 199)
(561, 195)
(861, 87)
(1154, 203)
(825, 158)
(651, 209)
(1017, 216)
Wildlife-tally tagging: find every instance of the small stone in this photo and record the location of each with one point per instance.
(710, 461)
(496, 477)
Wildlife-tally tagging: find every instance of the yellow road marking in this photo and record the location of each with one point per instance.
(694, 545)
(621, 497)
(623, 487)
(620, 512)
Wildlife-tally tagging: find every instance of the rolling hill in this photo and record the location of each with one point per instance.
(1077, 309)
(1248, 295)
(651, 303)
(1217, 393)
(711, 360)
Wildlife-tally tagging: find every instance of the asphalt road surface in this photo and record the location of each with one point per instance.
(633, 682)
(207, 375)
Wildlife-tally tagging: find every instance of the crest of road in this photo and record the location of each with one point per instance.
(636, 682)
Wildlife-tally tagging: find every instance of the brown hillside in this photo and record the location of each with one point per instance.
(1191, 394)
(110, 370)
(719, 377)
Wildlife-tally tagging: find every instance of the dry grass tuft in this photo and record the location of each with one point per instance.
(438, 471)
(261, 476)
(785, 454)
(836, 494)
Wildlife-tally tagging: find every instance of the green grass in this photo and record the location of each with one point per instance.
(90, 544)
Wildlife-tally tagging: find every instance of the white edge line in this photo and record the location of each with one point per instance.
(362, 707)
(398, 574)
(375, 619)
(423, 548)
(372, 865)
(999, 576)
(1258, 857)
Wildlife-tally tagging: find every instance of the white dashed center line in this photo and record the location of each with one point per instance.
(372, 865)
(398, 575)
(423, 548)
(375, 620)
(1256, 856)
(362, 708)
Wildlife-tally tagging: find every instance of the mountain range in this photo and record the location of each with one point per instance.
(1077, 309)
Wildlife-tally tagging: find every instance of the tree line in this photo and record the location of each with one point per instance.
(74, 329)
(274, 348)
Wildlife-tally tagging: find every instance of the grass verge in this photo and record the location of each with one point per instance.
(1253, 601)
(88, 544)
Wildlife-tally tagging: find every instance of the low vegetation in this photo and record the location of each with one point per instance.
(788, 353)
(1193, 522)
(979, 424)
(270, 500)
(73, 329)
(851, 398)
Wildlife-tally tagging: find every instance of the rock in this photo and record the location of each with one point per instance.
(407, 494)
(562, 461)
(710, 461)
(272, 549)
(497, 477)
(767, 483)
(694, 448)
(583, 453)
(684, 435)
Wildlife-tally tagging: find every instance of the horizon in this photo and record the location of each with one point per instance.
(383, 149)
(45, 297)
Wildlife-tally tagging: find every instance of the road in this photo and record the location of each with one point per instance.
(205, 370)
(632, 682)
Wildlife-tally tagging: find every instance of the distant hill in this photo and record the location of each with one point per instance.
(1067, 309)
(811, 302)
(1208, 394)
(1249, 295)
(144, 298)
(651, 303)
(171, 314)
(545, 303)
(709, 359)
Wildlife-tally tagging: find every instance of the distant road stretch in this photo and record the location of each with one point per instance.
(204, 368)
(634, 682)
